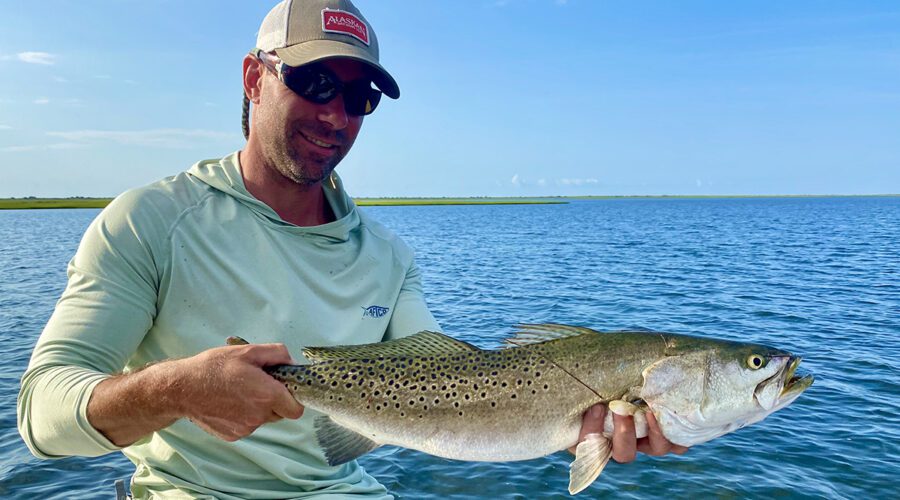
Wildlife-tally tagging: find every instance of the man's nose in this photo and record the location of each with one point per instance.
(334, 113)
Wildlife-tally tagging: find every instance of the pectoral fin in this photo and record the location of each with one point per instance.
(341, 445)
(591, 456)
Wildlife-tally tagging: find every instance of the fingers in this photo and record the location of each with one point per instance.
(591, 423)
(234, 395)
(268, 354)
(656, 444)
(624, 441)
(287, 407)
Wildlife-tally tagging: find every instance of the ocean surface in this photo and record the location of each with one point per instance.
(817, 276)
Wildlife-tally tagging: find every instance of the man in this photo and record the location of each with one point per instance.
(264, 244)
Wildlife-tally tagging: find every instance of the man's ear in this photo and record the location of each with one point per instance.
(252, 78)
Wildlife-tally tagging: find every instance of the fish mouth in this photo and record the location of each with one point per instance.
(782, 388)
(794, 385)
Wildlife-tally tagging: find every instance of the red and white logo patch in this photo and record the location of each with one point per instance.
(345, 23)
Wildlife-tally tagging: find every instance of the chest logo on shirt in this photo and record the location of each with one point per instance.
(375, 311)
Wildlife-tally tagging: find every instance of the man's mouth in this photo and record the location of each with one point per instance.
(317, 142)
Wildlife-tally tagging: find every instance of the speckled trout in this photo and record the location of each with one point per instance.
(445, 397)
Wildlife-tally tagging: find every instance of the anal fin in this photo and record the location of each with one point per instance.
(341, 445)
(591, 456)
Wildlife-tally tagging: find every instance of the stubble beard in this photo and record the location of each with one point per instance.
(303, 169)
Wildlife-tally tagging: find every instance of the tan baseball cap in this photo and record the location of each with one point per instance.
(305, 31)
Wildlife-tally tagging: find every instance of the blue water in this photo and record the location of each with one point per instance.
(816, 276)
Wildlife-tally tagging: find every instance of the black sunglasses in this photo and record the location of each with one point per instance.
(316, 83)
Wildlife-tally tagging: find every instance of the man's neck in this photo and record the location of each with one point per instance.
(294, 203)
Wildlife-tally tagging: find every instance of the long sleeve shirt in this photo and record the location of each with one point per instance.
(172, 269)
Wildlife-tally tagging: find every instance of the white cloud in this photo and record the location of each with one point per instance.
(56, 146)
(41, 100)
(576, 182)
(37, 58)
(164, 138)
(66, 145)
(60, 79)
(543, 182)
(5, 127)
(17, 149)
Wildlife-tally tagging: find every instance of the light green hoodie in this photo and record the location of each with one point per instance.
(172, 269)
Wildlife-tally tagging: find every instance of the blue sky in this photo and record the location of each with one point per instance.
(499, 97)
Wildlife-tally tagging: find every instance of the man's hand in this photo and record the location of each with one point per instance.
(625, 445)
(224, 391)
(228, 395)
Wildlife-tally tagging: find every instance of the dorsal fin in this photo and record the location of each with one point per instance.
(535, 334)
(424, 343)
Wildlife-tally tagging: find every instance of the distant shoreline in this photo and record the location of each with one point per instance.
(80, 202)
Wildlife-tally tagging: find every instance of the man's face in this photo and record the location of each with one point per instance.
(303, 140)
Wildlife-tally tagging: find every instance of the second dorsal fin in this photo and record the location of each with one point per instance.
(535, 334)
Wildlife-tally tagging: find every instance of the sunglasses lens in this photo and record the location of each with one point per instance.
(311, 84)
(360, 98)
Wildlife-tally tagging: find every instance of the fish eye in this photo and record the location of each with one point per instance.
(755, 361)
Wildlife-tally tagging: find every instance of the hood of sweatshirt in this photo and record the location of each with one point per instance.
(225, 175)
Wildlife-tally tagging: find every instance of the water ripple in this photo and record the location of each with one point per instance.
(820, 277)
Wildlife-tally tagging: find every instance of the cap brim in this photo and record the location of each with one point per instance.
(319, 50)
